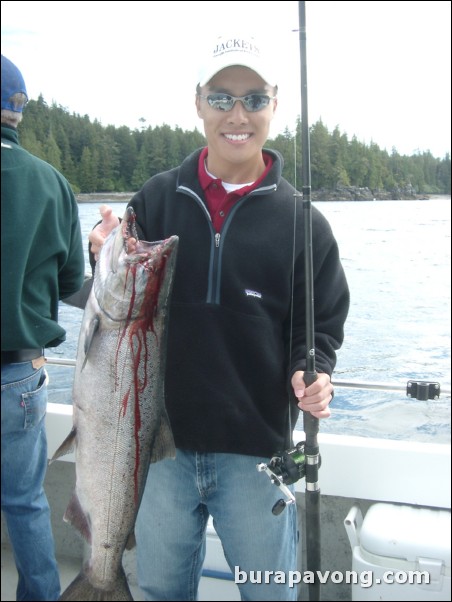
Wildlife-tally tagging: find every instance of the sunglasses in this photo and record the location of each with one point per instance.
(225, 102)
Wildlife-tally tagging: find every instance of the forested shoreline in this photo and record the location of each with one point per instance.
(97, 159)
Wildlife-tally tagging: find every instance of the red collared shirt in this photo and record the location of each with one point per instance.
(220, 202)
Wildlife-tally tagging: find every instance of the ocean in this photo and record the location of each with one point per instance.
(397, 257)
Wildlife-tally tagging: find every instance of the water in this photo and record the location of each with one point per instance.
(397, 258)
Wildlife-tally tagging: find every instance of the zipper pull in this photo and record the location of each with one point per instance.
(217, 240)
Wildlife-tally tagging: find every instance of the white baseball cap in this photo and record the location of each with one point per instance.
(244, 51)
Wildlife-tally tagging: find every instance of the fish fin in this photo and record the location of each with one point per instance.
(164, 446)
(131, 541)
(82, 589)
(92, 329)
(80, 298)
(66, 447)
(76, 517)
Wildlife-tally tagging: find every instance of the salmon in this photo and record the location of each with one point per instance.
(120, 424)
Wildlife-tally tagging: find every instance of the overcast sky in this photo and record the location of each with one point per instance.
(377, 70)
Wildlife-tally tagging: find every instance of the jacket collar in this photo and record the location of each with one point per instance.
(188, 172)
(10, 134)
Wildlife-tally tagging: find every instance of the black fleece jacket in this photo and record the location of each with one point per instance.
(227, 371)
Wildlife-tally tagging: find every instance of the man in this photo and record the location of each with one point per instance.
(235, 355)
(42, 262)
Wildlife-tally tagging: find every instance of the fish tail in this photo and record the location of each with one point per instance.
(82, 589)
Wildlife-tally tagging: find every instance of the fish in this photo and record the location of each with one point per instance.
(120, 423)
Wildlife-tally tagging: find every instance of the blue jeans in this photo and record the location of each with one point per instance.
(171, 525)
(24, 464)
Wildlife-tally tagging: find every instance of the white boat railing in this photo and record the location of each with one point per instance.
(352, 466)
(367, 385)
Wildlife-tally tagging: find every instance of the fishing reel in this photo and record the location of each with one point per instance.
(285, 468)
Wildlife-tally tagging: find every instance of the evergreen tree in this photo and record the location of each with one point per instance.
(95, 158)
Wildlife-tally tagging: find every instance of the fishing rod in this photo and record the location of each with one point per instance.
(286, 468)
(310, 422)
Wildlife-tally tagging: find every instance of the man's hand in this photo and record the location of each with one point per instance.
(316, 397)
(98, 234)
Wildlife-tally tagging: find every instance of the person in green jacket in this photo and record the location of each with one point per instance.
(42, 262)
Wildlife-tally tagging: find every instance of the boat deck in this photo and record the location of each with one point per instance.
(69, 568)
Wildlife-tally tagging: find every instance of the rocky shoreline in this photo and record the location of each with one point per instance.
(354, 193)
(98, 197)
(341, 193)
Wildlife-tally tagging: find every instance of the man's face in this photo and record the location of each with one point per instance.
(236, 136)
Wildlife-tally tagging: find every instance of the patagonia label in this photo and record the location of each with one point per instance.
(250, 293)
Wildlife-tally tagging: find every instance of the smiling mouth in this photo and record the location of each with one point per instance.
(237, 137)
